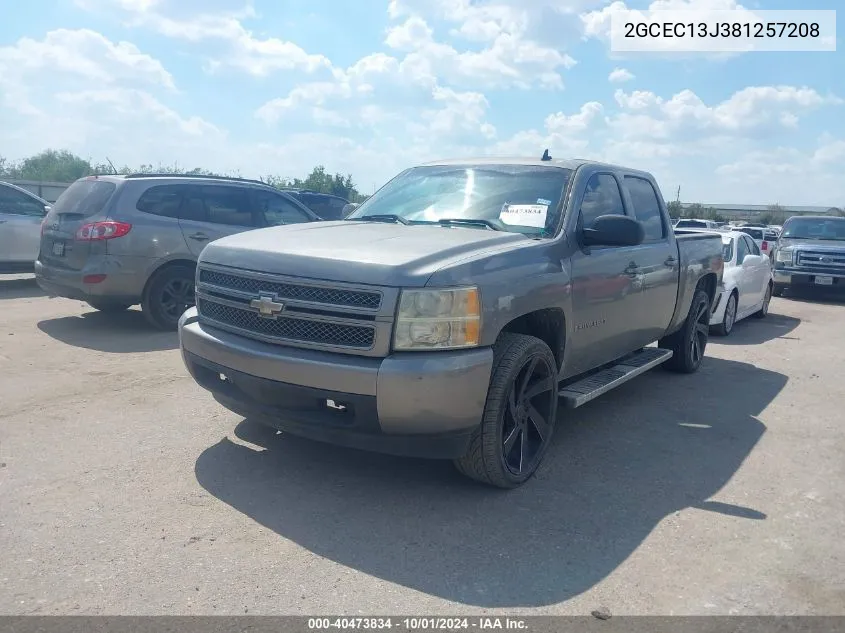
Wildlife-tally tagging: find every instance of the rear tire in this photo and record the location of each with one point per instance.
(516, 429)
(729, 320)
(688, 343)
(777, 290)
(109, 307)
(169, 293)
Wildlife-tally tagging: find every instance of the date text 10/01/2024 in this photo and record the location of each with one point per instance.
(416, 623)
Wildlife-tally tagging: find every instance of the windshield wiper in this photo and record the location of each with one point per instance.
(383, 217)
(469, 222)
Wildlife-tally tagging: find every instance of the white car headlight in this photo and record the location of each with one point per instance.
(784, 256)
(447, 318)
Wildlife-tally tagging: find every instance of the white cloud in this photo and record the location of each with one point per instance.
(620, 75)
(78, 89)
(790, 174)
(82, 53)
(241, 49)
(509, 60)
(645, 114)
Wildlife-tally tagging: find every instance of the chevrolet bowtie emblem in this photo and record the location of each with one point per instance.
(267, 306)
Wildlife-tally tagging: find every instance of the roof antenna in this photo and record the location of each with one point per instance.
(546, 155)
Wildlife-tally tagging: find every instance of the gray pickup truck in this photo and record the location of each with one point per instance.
(810, 251)
(451, 313)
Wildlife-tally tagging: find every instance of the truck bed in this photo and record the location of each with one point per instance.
(699, 253)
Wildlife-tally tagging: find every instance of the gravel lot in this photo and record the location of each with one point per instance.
(125, 489)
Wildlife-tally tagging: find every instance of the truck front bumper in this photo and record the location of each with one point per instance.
(423, 404)
(808, 277)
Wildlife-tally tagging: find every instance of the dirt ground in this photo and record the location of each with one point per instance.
(125, 489)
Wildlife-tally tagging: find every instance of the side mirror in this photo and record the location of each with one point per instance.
(614, 230)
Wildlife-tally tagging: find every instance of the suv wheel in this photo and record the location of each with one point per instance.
(169, 293)
(519, 415)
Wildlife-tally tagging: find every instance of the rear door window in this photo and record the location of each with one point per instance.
(85, 198)
(164, 200)
(646, 208)
(229, 205)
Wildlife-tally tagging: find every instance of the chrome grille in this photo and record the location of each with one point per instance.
(822, 259)
(308, 314)
(292, 329)
(312, 294)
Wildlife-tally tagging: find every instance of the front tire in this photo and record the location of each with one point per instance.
(519, 415)
(764, 309)
(727, 325)
(688, 343)
(169, 293)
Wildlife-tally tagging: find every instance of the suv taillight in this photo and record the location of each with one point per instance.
(102, 231)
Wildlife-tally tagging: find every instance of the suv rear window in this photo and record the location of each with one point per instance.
(84, 197)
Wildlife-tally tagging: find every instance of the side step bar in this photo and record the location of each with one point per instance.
(601, 382)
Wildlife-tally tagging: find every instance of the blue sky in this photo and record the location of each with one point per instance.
(371, 87)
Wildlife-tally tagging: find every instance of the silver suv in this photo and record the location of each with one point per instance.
(118, 241)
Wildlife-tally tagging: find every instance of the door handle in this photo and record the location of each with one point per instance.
(670, 261)
(199, 236)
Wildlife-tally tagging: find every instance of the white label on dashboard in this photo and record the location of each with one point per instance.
(533, 215)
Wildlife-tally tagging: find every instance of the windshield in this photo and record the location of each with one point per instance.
(815, 229)
(517, 198)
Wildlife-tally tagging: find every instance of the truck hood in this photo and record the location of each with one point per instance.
(360, 252)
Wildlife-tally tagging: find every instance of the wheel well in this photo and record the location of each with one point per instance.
(548, 325)
(708, 284)
(165, 266)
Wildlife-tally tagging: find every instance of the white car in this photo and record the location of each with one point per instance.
(747, 283)
(21, 213)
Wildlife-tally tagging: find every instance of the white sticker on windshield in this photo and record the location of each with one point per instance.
(533, 215)
(543, 201)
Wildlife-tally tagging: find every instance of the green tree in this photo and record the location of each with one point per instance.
(694, 210)
(52, 165)
(63, 166)
(675, 209)
(322, 181)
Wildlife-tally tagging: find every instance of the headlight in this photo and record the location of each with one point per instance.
(438, 319)
(784, 256)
